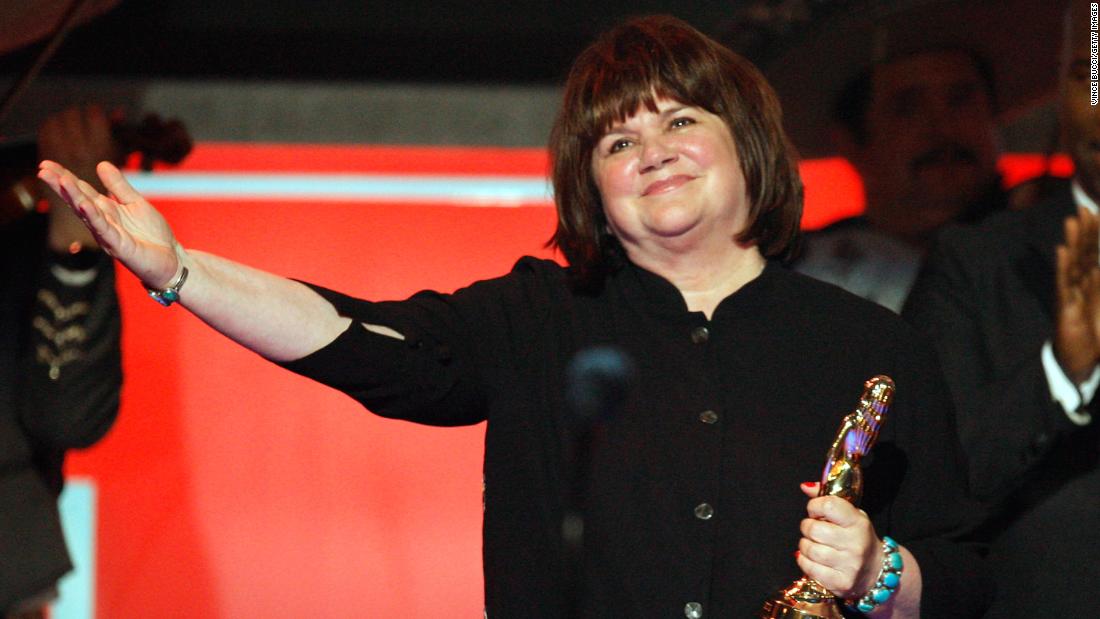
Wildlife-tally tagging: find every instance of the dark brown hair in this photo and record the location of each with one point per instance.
(633, 64)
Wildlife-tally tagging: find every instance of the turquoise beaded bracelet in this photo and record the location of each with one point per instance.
(889, 577)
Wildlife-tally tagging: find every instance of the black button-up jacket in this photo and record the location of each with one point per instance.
(693, 504)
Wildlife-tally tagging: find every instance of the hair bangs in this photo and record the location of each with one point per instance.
(636, 72)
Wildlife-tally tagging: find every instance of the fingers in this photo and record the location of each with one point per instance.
(51, 173)
(1078, 258)
(1072, 250)
(1062, 288)
(116, 183)
(846, 575)
(835, 523)
(1082, 235)
(810, 488)
(79, 195)
(105, 233)
(837, 571)
(814, 562)
(1089, 237)
(1084, 248)
(87, 188)
(74, 190)
(835, 510)
(838, 544)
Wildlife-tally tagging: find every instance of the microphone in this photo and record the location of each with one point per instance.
(598, 381)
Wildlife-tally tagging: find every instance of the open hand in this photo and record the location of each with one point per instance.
(1077, 282)
(125, 224)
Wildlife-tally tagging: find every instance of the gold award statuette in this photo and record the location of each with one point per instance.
(806, 598)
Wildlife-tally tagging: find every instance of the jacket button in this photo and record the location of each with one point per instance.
(704, 511)
(700, 335)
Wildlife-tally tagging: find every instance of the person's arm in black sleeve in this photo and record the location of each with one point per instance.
(73, 365)
(429, 358)
(401, 360)
(72, 362)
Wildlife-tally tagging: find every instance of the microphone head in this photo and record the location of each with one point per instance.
(597, 383)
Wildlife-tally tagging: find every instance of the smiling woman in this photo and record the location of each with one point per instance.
(624, 74)
(674, 195)
(677, 197)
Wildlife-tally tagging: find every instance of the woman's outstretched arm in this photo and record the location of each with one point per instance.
(277, 318)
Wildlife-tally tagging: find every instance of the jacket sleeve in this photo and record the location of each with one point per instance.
(436, 364)
(1008, 421)
(72, 367)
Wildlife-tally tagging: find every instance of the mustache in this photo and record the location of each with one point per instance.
(945, 153)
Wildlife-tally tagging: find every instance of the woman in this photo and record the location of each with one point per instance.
(674, 187)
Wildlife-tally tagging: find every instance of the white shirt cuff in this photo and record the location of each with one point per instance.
(1062, 390)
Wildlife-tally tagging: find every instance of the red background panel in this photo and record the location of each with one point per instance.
(230, 487)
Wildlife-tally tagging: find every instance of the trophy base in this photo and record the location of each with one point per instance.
(805, 599)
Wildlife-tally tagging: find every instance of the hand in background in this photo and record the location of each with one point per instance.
(77, 138)
(1077, 282)
(126, 225)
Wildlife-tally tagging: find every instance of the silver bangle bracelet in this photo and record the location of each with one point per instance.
(171, 294)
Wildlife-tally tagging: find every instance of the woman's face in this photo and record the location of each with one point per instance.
(670, 180)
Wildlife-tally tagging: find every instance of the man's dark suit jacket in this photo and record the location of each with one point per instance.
(986, 297)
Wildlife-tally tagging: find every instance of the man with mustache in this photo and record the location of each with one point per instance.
(1013, 307)
(919, 128)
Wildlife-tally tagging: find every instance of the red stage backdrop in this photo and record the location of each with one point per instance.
(232, 488)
